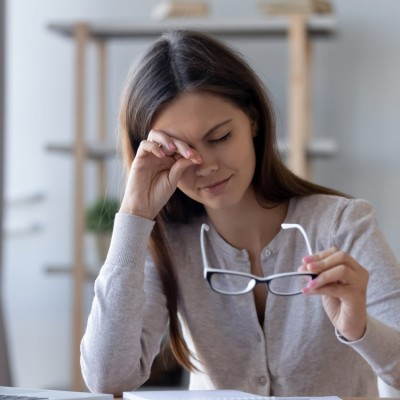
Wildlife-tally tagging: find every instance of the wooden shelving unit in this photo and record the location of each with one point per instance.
(299, 148)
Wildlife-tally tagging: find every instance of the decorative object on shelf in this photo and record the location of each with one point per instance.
(178, 9)
(284, 7)
(100, 221)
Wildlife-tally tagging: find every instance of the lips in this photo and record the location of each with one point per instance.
(216, 186)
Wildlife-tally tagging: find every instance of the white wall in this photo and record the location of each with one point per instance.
(5, 378)
(357, 93)
(40, 109)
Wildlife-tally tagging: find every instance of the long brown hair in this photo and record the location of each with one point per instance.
(186, 61)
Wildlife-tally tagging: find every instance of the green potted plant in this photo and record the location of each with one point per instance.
(100, 221)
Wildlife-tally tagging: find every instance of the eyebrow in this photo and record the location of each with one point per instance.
(215, 127)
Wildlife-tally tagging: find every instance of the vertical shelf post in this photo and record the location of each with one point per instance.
(81, 36)
(299, 104)
(309, 110)
(101, 111)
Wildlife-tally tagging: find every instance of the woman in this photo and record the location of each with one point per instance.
(199, 144)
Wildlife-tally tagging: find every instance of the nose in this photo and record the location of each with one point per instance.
(207, 167)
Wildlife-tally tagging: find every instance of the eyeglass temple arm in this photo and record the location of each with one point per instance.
(301, 229)
(204, 227)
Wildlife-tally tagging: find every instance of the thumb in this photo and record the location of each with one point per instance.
(302, 268)
(177, 170)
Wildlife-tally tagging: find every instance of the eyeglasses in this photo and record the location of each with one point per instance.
(234, 283)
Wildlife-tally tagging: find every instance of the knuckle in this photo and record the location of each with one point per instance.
(341, 254)
(342, 269)
(142, 144)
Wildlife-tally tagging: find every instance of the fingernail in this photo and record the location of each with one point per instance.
(171, 146)
(312, 267)
(307, 259)
(189, 153)
(197, 159)
(312, 284)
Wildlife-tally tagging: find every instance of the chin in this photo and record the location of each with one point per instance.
(221, 204)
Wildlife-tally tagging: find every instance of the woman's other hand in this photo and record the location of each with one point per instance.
(155, 172)
(342, 282)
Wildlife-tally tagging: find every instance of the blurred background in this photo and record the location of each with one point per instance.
(356, 99)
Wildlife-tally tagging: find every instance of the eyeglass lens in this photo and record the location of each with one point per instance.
(232, 284)
(288, 285)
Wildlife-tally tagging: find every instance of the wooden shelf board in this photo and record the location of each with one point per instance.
(316, 148)
(93, 151)
(63, 270)
(277, 25)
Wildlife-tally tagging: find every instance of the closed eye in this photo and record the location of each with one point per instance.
(221, 139)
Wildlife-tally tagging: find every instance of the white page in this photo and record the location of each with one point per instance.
(209, 395)
(191, 395)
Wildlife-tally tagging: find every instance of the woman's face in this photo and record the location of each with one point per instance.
(223, 135)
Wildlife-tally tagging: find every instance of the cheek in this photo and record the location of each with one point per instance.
(245, 155)
(247, 163)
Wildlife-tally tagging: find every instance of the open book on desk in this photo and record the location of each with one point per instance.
(209, 395)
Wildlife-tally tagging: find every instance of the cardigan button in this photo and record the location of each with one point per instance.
(267, 252)
(262, 380)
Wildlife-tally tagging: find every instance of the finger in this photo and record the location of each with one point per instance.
(302, 268)
(343, 275)
(187, 152)
(335, 290)
(331, 261)
(168, 148)
(319, 256)
(340, 274)
(177, 170)
(172, 145)
(317, 262)
(151, 147)
(162, 140)
(310, 261)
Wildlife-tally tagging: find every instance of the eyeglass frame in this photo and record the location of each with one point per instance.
(254, 280)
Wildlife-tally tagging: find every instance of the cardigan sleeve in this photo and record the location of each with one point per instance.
(356, 232)
(128, 318)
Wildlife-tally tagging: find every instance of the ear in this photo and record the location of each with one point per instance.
(252, 114)
(254, 128)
